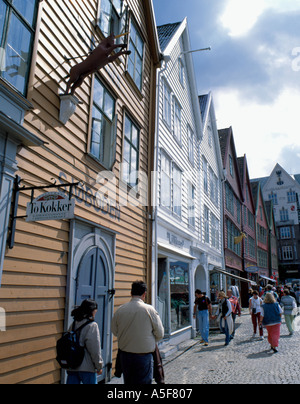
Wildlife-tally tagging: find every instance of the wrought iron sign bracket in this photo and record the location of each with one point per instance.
(15, 201)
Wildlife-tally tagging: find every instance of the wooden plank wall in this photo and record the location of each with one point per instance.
(33, 290)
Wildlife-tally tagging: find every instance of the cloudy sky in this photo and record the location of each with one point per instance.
(253, 72)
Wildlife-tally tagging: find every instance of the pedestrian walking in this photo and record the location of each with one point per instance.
(224, 312)
(289, 305)
(270, 289)
(236, 309)
(255, 309)
(203, 310)
(271, 319)
(138, 328)
(89, 338)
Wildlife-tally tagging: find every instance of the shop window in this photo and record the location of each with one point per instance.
(179, 289)
(17, 28)
(104, 131)
(215, 286)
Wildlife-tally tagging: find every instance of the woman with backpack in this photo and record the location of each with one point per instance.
(84, 318)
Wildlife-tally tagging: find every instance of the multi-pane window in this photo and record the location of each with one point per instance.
(191, 204)
(167, 103)
(232, 233)
(206, 224)
(205, 180)
(131, 152)
(262, 258)
(285, 233)
(287, 253)
(284, 215)
(113, 17)
(229, 199)
(176, 190)
(291, 196)
(135, 59)
(215, 232)
(273, 197)
(181, 71)
(261, 234)
(177, 121)
(190, 144)
(251, 245)
(17, 28)
(165, 185)
(103, 136)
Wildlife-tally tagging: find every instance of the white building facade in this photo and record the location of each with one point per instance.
(183, 256)
(284, 191)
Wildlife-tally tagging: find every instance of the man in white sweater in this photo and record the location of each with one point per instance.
(138, 328)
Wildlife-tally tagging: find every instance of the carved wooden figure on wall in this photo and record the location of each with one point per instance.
(96, 60)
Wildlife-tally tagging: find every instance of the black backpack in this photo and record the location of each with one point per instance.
(70, 353)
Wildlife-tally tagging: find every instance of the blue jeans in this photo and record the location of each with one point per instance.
(203, 318)
(82, 378)
(226, 332)
(137, 368)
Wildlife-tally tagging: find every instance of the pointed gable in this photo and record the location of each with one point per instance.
(230, 163)
(166, 33)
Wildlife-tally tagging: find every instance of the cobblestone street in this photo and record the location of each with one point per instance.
(244, 361)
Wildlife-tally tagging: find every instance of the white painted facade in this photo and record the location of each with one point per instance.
(183, 258)
(282, 189)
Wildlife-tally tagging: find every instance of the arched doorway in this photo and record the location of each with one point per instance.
(92, 283)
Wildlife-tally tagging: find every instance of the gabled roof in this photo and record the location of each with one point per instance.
(226, 140)
(244, 174)
(208, 111)
(169, 35)
(166, 33)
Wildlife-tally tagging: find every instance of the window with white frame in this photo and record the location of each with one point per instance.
(113, 18)
(206, 224)
(291, 196)
(135, 59)
(131, 152)
(181, 70)
(104, 131)
(284, 215)
(177, 121)
(285, 233)
(262, 258)
(165, 181)
(287, 253)
(273, 197)
(215, 232)
(176, 190)
(205, 179)
(17, 29)
(190, 144)
(191, 204)
(167, 104)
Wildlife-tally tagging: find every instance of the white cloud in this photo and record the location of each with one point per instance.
(260, 131)
(241, 15)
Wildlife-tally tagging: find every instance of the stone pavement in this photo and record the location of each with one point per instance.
(244, 361)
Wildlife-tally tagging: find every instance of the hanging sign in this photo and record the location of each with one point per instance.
(50, 206)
